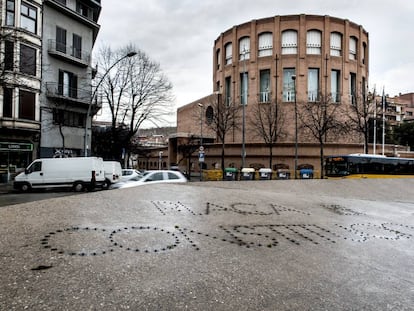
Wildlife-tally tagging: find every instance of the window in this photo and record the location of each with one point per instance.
(82, 9)
(289, 42)
(229, 53)
(244, 87)
(27, 60)
(68, 118)
(68, 84)
(60, 39)
(173, 176)
(77, 46)
(265, 44)
(27, 105)
(288, 85)
(244, 48)
(10, 12)
(218, 58)
(336, 44)
(335, 86)
(228, 91)
(313, 84)
(364, 52)
(8, 55)
(28, 18)
(352, 87)
(209, 115)
(352, 48)
(7, 102)
(35, 167)
(314, 42)
(264, 86)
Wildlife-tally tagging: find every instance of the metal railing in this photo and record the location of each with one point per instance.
(68, 51)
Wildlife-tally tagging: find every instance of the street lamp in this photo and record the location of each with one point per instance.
(160, 160)
(296, 126)
(85, 140)
(201, 150)
(244, 102)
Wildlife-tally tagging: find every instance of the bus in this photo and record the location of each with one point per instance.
(368, 166)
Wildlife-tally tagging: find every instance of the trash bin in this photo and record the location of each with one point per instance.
(265, 173)
(283, 173)
(247, 173)
(230, 173)
(306, 173)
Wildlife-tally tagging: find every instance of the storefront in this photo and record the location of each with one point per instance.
(14, 157)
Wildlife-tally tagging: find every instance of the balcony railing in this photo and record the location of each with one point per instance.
(61, 91)
(264, 97)
(69, 53)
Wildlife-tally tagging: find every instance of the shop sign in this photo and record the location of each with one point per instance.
(11, 146)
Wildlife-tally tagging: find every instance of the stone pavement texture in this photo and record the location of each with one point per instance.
(250, 245)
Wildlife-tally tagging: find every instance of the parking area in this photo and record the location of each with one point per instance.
(245, 245)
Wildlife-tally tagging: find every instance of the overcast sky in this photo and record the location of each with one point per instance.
(179, 35)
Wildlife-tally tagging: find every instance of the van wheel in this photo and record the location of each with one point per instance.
(25, 188)
(78, 187)
(106, 184)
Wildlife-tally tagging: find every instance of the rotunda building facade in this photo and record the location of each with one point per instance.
(291, 60)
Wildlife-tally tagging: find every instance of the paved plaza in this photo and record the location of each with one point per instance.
(247, 245)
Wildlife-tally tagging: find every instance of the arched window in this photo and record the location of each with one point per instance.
(314, 42)
(352, 48)
(290, 42)
(209, 115)
(265, 44)
(229, 53)
(336, 44)
(244, 48)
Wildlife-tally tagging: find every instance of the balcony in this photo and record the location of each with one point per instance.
(68, 95)
(264, 97)
(68, 53)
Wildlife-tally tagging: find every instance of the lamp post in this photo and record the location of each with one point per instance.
(85, 140)
(160, 160)
(244, 102)
(296, 126)
(201, 150)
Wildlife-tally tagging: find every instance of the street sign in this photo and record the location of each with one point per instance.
(201, 156)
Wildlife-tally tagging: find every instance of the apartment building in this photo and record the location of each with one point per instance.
(45, 80)
(70, 28)
(20, 83)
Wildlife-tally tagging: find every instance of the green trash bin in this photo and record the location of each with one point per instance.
(230, 173)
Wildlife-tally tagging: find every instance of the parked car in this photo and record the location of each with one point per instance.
(152, 177)
(130, 173)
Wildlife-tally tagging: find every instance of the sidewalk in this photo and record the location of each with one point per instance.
(6, 187)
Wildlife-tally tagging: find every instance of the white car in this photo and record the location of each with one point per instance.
(152, 177)
(130, 173)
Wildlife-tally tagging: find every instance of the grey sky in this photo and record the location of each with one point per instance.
(179, 34)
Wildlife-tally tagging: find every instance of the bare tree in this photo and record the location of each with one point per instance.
(224, 117)
(136, 91)
(362, 110)
(321, 119)
(267, 121)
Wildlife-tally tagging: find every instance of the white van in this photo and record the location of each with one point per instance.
(113, 173)
(75, 173)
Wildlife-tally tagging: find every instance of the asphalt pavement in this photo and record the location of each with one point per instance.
(246, 245)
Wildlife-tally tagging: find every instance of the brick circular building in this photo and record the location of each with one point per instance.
(254, 62)
(289, 62)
